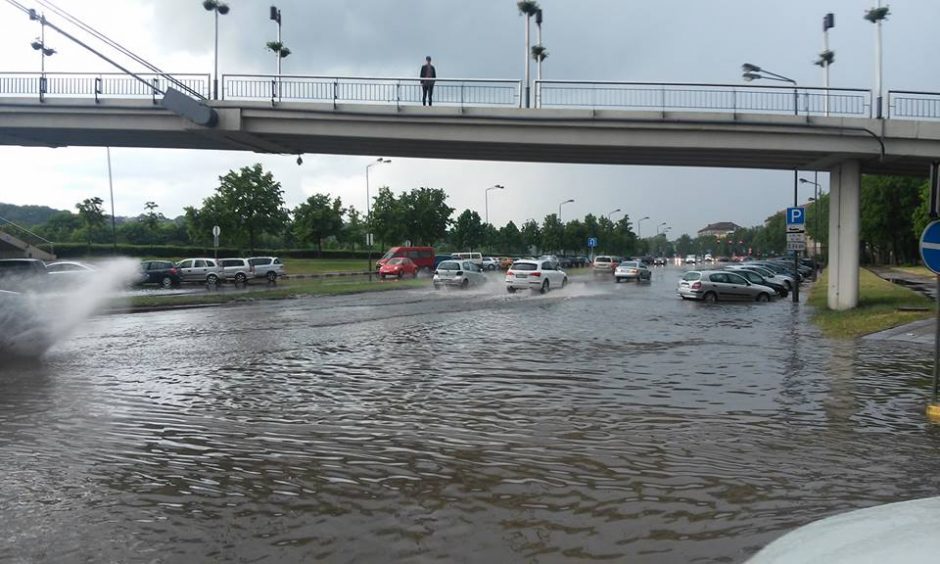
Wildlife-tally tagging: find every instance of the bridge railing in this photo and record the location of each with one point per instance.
(913, 105)
(370, 90)
(99, 85)
(687, 96)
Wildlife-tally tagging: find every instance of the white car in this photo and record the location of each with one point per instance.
(490, 263)
(536, 275)
(458, 273)
(267, 267)
(691, 259)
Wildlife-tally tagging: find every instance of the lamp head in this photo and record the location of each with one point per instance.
(300, 160)
(748, 67)
(749, 76)
(223, 8)
(36, 44)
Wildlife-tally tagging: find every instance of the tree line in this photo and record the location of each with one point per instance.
(249, 208)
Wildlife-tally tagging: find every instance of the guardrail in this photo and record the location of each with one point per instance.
(370, 90)
(99, 85)
(912, 104)
(688, 96)
(25, 232)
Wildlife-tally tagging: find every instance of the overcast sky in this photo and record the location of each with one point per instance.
(661, 40)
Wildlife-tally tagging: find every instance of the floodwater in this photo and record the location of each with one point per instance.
(602, 421)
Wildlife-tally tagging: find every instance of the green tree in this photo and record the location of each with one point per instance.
(684, 245)
(531, 237)
(425, 215)
(510, 239)
(468, 231)
(254, 201)
(888, 204)
(92, 216)
(388, 220)
(354, 229)
(60, 227)
(318, 218)
(552, 233)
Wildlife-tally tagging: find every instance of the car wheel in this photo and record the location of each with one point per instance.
(240, 278)
(272, 276)
(414, 274)
(212, 280)
(166, 282)
(399, 274)
(437, 286)
(762, 297)
(465, 284)
(564, 282)
(617, 280)
(710, 297)
(510, 289)
(545, 287)
(788, 285)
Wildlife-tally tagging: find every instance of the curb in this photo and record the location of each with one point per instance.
(322, 275)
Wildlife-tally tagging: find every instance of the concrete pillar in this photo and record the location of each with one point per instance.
(845, 189)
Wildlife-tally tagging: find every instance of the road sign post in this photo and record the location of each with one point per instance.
(796, 224)
(930, 254)
(215, 241)
(592, 244)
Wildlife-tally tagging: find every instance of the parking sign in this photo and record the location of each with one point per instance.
(796, 220)
(592, 242)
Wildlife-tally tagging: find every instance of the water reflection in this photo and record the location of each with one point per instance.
(606, 422)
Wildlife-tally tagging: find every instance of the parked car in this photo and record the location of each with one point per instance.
(398, 267)
(756, 278)
(422, 256)
(201, 270)
(605, 264)
(632, 270)
(490, 263)
(659, 261)
(438, 259)
(267, 267)
(458, 273)
(536, 275)
(720, 285)
(240, 270)
(162, 272)
(690, 259)
(783, 279)
(22, 274)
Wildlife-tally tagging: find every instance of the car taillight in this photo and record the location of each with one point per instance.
(536, 274)
(173, 270)
(696, 285)
(510, 273)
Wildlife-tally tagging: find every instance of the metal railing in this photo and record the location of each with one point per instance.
(370, 90)
(681, 96)
(914, 105)
(6, 224)
(99, 85)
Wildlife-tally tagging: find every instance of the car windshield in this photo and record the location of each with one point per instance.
(629, 264)
(524, 266)
(602, 259)
(449, 265)
(389, 254)
(692, 276)
(397, 261)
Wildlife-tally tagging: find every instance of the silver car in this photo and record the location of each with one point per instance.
(202, 270)
(632, 270)
(721, 285)
(458, 274)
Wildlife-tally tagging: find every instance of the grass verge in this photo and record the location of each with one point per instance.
(284, 290)
(878, 307)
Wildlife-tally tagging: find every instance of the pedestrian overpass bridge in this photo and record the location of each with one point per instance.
(764, 127)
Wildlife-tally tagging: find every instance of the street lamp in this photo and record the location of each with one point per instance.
(815, 198)
(39, 44)
(486, 199)
(280, 51)
(876, 15)
(639, 222)
(827, 56)
(612, 213)
(660, 225)
(379, 160)
(753, 72)
(218, 8)
(559, 208)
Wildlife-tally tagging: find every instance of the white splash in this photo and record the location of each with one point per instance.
(34, 320)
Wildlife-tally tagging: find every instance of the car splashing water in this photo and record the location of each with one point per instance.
(36, 319)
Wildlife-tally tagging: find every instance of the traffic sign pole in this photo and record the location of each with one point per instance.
(930, 254)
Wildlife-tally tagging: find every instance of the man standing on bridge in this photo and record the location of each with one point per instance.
(427, 86)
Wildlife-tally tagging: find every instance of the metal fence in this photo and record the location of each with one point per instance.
(100, 85)
(703, 97)
(370, 90)
(914, 105)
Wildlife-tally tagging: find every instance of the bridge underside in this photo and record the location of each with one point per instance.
(491, 134)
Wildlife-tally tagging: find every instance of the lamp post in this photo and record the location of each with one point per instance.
(815, 198)
(218, 8)
(559, 208)
(658, 226)
(39, 44)
(379, 160)
(876, 15)
(612, 213)
(486, 199)
(827, 57)
(754, 72)
(639, 222)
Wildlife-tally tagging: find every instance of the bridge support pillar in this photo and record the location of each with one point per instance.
(845, 188)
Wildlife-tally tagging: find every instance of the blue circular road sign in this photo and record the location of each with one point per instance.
(930, 246)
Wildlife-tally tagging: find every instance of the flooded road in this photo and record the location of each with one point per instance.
(604, 421)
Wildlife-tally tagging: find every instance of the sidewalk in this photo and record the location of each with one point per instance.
(917, 332)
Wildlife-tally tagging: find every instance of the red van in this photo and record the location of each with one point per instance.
(422, 256)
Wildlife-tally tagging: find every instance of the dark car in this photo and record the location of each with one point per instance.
(22, 274)
(756, 278)
(162, 272)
